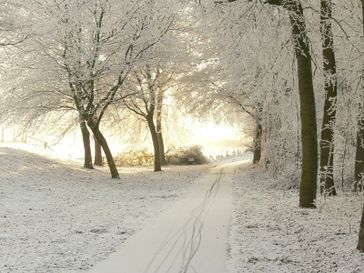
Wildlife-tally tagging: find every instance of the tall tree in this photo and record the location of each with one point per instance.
(145, 81)
(299, 36)
(308, 185)
(359, 159)
(359, 156)
(327, 151)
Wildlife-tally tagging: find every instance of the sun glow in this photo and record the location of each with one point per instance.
(216, 139)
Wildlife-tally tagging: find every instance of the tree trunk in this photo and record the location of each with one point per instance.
(153, 132)
(359, 156)
(308, 185)
(343, 162)
(110, 160)
(86, 145)
(98, 154)
(159, 109)
(161, 148)
(362, 10)
(361, 233)
(328, 125)
(257, 142)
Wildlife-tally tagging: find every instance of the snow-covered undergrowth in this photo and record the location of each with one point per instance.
(57, 217)
(270, 233)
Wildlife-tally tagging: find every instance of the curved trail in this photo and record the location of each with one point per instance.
(189, 237)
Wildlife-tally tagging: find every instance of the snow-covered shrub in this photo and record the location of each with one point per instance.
(135, 158)
(186, 156)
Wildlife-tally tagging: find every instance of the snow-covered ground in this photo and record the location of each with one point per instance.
(58, 217)
(270, 233)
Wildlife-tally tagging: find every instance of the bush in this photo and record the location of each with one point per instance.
(135, 158)
(182, 156)
(186, 156)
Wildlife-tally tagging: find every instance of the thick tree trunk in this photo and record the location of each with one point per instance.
(361, 233)
(153, 132)
(362, 10)
(110, 160)
(308, 185)
(98, 154)
(257, 142)
(158, 111)
(328, 125)
(359, 156)
(161, 148)
(86, 145)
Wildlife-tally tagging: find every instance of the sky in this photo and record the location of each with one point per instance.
(215, 139)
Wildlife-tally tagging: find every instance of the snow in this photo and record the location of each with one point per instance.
(190, 236)
(270, 233)
(58, 217)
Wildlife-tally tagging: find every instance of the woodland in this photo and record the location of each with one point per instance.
(291, 72)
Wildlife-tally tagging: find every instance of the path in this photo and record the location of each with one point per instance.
(189, 237)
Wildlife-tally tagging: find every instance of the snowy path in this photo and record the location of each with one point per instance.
(191, 236)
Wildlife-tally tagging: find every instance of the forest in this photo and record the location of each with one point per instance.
(288, 73)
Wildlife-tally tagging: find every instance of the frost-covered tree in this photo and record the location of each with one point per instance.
(327, 150)
(91, 47)
(149, 84)
(308, 184)
(302, 49)
(13, 23)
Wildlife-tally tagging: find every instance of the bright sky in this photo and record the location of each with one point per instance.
(209, 131)
(216, 139)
